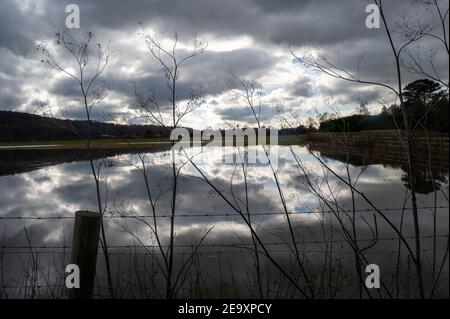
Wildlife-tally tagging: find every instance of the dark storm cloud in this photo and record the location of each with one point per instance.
(341, 94)
(9, 100)
(216, 67)
(13, 36)
(245, 114)
(10, 94)
(66, 87)
(289, 22)
(278, 21)
(21, 25)
(301, 87)
(212, 71)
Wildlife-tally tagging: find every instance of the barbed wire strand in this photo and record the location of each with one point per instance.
(184, 215)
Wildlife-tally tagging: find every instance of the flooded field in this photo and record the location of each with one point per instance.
(309, 226)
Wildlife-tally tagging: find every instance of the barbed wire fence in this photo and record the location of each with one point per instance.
(207, 248)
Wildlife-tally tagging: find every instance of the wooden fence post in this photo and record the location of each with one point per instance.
(84, 251)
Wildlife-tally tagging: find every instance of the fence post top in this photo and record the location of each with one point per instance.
(86, 213)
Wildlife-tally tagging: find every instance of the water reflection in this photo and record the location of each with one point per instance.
(55, 184)
(430, 165)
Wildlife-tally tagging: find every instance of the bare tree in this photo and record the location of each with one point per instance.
(433, 24)
(89, 61)
(156, 112)
(170, 63)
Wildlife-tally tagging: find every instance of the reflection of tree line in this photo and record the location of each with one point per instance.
(430, 163)
(19, 161)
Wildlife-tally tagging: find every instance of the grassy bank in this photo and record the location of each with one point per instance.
(82, 144)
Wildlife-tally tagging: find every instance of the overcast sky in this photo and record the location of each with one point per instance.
(247, 38)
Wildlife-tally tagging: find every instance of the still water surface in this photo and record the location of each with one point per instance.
(42, 189)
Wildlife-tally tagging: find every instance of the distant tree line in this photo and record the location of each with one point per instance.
(426, 108)
(17, 126)
(301, 129)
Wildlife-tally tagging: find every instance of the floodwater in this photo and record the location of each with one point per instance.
(40, 191)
